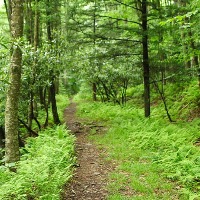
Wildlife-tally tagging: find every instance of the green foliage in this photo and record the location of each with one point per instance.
(149, 152)
(101, 41)
(62, 103)
(84, 93)
(135, 95)
(44, 168)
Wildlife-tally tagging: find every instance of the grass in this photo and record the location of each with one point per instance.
(156, 159)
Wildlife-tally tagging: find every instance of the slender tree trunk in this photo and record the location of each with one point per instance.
(28, 17)
(36, 28)
(11, 111)
(162, 95)
(35, 44)
(7, 4)
(146, 67)
(48, 13)
(94, 87)
(46, 105)
(30, 112)
(52, 76)
(53, 103)
(2, 141)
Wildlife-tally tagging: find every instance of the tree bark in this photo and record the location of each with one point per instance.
(11, 112)
(46, 107)
(50, 37)
(146, 71)
(28, 17)
(48, 23)
(94, 87)
(36, 27)
(53, 103)
(30, 112)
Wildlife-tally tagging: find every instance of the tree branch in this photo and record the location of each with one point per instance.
(28, 128)
(128, 5)
(105, 38)
(120, 19)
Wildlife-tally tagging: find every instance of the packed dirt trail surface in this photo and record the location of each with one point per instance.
(90, 179)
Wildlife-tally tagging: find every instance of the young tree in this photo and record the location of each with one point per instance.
(11, 112)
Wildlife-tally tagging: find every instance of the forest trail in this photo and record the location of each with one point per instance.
(90, 176)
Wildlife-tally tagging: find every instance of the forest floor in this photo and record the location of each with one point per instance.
(91, 174)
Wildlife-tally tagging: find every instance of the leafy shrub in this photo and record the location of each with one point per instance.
(43, 169)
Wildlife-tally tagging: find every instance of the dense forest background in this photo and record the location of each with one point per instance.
(130, 53)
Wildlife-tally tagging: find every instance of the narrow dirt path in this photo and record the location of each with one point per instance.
(90, 177)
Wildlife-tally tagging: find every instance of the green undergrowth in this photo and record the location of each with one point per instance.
(182, 100)
(44, 168)
(156, 159)
(46, 162)
(62, 102)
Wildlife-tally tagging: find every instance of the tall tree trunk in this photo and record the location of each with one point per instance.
(30, 112)
(46, 105)
(11, 112)
(35, 44)
(146, 70)
(94, 87)
(36, 28)
(2, 141)
(48, 23)
(28, 17)
(34, 32)
(50, 35)
(53, 103)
